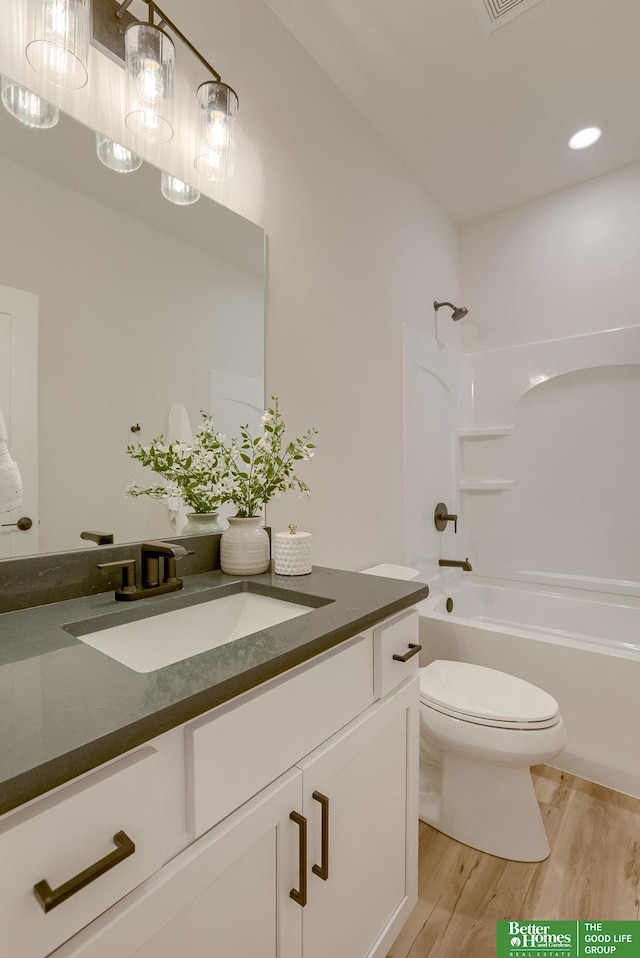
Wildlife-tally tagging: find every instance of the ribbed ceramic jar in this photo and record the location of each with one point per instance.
(204, 523)
(244, 547)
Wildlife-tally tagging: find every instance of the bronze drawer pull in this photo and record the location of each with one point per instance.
(322, 871)
(300, 895)
(49, 898)
(413, 650)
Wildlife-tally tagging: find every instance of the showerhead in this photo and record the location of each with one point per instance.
(457, 312)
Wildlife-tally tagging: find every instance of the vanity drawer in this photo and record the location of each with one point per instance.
(59, 837)
(394, 638)
(235, 751)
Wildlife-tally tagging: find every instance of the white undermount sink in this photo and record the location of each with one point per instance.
(159, 640)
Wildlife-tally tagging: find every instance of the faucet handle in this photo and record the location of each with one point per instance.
(170, 563)
(441, 516)
(100, 538)
(128, 567)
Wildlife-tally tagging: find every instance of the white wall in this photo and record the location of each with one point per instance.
(356, 248)
(559, 266)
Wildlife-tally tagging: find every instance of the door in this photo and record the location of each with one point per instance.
(226, 896)
(19, 404)
(361, 786)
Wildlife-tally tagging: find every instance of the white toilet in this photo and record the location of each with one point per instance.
(480, 732)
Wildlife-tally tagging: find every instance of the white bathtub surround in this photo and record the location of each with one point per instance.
(481, 730)
(537, 443)
(433, 377)
(581, 647)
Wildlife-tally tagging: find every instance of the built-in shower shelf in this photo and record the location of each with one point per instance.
(486, 485)
(487, 432)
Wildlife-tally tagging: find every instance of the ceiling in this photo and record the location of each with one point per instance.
(481, 116)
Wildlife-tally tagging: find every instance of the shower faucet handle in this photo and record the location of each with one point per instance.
(441, 517)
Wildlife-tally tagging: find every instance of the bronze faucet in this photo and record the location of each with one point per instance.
(463, 564)
(152, 554)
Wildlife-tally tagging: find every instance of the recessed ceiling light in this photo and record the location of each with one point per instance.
(585, 138)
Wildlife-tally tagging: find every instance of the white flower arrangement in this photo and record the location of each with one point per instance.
(245, 471)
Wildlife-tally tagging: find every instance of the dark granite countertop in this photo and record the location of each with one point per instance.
(66, 708)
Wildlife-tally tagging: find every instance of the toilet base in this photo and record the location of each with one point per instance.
(489, 807)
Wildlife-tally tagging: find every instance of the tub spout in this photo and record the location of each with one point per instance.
(463, 564)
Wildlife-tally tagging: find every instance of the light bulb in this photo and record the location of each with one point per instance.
(217, 132)
(149, 82)
(60, 20)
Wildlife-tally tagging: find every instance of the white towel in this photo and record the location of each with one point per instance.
(10, 478)
(178, 430)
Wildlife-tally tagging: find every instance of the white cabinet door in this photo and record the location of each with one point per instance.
(226, 896)
(361, 890)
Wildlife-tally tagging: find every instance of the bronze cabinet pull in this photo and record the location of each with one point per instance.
(322, 871)
(52, 897)
(300, 895)
(413, 650)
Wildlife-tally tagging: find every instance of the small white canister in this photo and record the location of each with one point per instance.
(292, 552)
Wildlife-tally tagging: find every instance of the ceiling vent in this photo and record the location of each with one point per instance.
(495, 13)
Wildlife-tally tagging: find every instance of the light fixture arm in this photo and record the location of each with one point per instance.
(155, 11)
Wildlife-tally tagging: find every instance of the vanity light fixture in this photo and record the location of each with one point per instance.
(149, 58)
(149, 54)
(177, 191)
(58, 41)
(584, 138)
(217, 109)
(115, 156)
(28, 107)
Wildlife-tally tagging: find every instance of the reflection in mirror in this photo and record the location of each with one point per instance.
(115, 306)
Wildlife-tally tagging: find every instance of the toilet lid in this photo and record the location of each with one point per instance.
(485, 696)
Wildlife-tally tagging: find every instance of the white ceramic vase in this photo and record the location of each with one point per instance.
(244, 547)
(204, 523)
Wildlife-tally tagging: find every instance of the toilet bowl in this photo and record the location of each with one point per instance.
(480, 732)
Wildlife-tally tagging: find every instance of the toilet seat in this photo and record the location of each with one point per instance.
(483, 696)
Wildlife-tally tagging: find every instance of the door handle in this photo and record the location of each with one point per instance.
(52, 897)
(299, 895)
(322, 870)
(23, 524)
(413, 650)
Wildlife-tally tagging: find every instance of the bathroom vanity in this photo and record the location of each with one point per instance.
(259, 798)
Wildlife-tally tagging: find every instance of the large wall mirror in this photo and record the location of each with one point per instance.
(140, 305)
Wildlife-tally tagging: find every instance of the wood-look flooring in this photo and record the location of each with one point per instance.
(592, 873)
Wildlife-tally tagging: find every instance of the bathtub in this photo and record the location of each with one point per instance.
(582, 647)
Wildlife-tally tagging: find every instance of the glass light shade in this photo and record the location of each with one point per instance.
(118, 158)
(217, 110)
(58, 46)
(28, 107)
(177, 191)
(149, 56)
